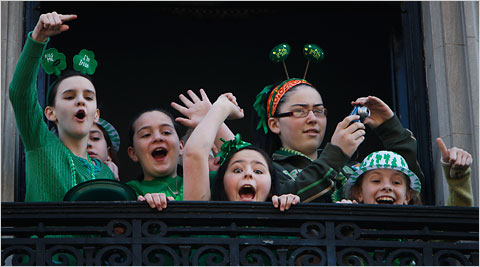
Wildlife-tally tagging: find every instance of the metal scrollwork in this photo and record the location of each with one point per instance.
(154, 228)
(354, 256)
(308, 256)
(312, 230)
(256, 255)
(211, 255)
(119, 228)
(63, 255)
(160, 255)
(113, 255)
(348, 231)
(449, 257)
(405, 257)
(18, 255)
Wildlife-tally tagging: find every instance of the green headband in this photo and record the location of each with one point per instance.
(230, 147)
(54, 62)
(271, 98)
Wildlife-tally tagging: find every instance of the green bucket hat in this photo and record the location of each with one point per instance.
(112, 133)
(384, 160)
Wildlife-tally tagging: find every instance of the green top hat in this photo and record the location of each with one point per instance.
(101, 190)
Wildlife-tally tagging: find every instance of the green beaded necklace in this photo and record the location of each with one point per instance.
(73, 168)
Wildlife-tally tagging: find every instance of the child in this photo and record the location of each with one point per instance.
(155, 144)
(103, 144)
(54, 164)
(383, 178)
(246, 173)
(291, 121)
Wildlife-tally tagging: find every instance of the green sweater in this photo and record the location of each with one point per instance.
(172, 187)
(323, 179)
(49, 173)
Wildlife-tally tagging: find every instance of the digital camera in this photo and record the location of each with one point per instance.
(361, 111)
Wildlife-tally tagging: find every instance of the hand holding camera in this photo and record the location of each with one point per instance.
(379, 111)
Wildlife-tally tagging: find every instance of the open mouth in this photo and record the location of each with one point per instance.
(80, 114)
(247, 193)
(385, 200)
(159, 153)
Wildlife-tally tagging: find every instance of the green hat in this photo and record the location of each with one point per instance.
(384, 160)
(112, 133)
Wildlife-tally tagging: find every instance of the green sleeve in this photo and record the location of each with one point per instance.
(317, 181)
(400, 140)
(24, 98)
(459, 186)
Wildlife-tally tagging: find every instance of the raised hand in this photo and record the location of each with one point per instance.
(194, 109)
(230, 101)
(379, 111)
(50, 24)
(158, 200)
(459, 158)
(285, 201)
(349, 136)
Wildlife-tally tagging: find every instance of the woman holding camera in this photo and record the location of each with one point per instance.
(290, 122)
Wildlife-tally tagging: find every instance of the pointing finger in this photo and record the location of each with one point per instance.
(68, 17)
(443, 149)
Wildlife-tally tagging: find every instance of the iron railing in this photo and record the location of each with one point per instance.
(237, 233)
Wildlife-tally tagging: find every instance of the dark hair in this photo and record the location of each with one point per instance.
(271, 142)
(415, 198)
(219, 193)
(131, 132)
(111, 149)
(52, 92)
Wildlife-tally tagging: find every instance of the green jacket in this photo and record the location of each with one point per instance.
(459, 186)
(323, 179)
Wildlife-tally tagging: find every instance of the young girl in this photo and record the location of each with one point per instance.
(383, 178)
(54, 164)
(155, 144)
(245, 174)
(103, 144)
(291, 121)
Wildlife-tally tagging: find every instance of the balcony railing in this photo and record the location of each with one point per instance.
(237, 233)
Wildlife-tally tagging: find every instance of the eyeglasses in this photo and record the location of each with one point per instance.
(303, 112)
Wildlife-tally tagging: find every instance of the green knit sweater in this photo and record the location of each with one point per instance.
(48, 168)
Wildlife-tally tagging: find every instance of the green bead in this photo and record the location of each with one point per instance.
(280, 53)
(313, 53)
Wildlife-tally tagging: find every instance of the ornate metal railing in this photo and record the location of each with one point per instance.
(234, 233)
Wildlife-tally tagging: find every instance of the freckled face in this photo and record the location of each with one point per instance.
(156, 145)
(247, 177)
(384, 186)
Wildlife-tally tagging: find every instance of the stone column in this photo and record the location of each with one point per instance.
(12, 41)
(451, 62)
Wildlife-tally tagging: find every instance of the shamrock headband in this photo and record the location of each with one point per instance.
(384, 160)
(230, 147)
(54, 62)
(112, 133)
(270, 98)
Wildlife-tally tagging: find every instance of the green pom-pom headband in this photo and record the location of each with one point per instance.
(230, 147)
(54, 62)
